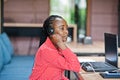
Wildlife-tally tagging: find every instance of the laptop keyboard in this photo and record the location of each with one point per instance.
(100, 65)
(97, 66)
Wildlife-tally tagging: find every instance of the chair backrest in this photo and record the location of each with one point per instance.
(7, 43)
(1, 58)
(5, 52)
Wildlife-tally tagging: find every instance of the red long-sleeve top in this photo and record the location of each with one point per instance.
(50, 63)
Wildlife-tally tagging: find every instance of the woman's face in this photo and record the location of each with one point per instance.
(60, 27)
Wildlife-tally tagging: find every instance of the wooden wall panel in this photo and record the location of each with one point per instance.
(25, 45)
(26, 11)
(104, 18)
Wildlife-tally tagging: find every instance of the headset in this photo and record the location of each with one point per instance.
(50, 31)
(48, 24)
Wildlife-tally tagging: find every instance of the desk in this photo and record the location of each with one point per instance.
(91, 75)
(96, 48)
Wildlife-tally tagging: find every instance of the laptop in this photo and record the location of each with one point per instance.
(111, 56)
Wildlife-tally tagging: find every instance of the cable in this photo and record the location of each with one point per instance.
(118, 70)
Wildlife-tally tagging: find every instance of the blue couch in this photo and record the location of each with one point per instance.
(13, 67)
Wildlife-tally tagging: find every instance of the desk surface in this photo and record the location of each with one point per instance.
(91, 75)
(96, 47)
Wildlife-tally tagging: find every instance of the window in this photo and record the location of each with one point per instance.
(74, 12)
(64, 8)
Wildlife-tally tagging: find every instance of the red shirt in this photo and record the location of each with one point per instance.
(50, 63)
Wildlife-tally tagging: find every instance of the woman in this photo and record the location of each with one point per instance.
(54, 57)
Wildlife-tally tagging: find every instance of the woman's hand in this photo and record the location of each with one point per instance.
(57, 41)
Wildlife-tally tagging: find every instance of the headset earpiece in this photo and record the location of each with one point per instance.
(50, 31)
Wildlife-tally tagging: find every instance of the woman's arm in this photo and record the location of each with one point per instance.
(64, 59)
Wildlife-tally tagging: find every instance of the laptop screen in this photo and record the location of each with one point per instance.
(119, 40)
(111, 45)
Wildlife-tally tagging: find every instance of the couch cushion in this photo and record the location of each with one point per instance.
(21, 61)
(1, 58)
(15, 74)
(21, 66)
(7, 43)
(5, 52)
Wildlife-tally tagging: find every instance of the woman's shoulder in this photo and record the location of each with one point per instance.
(43, 46)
